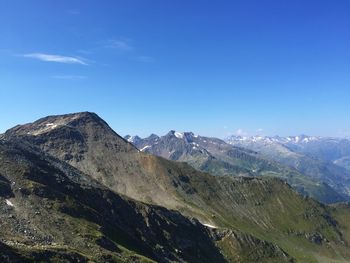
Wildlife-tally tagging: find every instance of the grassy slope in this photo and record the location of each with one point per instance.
(72, 217)
(266, 208)
(220, 158)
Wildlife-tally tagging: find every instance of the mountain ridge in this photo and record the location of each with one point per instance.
(303, 156)
(219, 158)
(264, 208)
(90, 206)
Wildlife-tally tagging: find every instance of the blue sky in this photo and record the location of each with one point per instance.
(148, 66)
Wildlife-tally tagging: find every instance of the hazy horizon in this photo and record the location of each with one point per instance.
(238, 132)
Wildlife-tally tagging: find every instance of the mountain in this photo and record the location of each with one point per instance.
(335, 150)
(294, 152)
(249, 219)
(323, 148)
(50, 210)
(220, 158)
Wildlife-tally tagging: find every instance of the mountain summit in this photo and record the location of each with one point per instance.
(246, 219)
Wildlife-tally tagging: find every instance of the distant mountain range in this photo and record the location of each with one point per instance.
(72, 189)
(324, 159)
(243, 156)
(323, 148)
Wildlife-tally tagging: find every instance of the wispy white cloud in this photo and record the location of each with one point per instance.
(69, 77)
(56, 58)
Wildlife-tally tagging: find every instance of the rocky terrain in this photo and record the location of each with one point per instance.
(91, 194)
(49, 210)
(220, 158)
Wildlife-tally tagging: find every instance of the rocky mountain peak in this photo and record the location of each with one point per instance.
(70, 136)
(88, 172)
(133, 139)
(171, 133)
(186, 136)
(152, 136)
(50, 123)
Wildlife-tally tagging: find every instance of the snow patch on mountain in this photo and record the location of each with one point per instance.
(9, 203)
(179, 135)
(144, 148)
(210, 226)
(276, 139)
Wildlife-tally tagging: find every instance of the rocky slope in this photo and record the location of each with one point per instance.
(220, 158)
(263, 209)
(51, 211)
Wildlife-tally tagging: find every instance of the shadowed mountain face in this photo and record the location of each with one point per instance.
(263, 209)
(312, 156)
(220, 158)
(50, 210)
